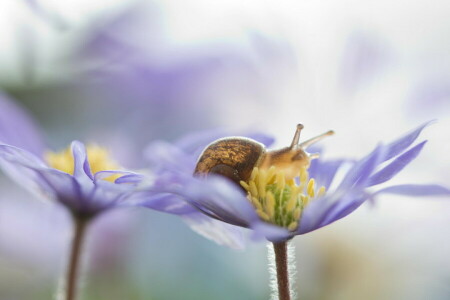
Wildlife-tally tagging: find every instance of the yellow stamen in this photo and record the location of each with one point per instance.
(303, 177)
(253, 189)
(262, 184)
(257, 204)
(280, 201)
(281, 180)
(321, 192)
(310, 188)
(244, 185)
(271, 175)
(292, 202)
(254, 173)
(305, 200)
(293, 226)
(263, 215)
(297, 213)
(270, 204)
(98, 158)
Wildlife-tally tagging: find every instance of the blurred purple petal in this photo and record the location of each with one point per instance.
(52, 19)
(18, 129)
(127, 177)
(418, 190)
(429, 97)
(168, 203)
(131, 178)
(18, 164)
(63, 188)
(220, 232)
(364, 58)
(163, 154)
(194, 143)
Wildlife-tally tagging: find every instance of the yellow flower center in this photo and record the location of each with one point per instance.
(280, 201)
(98, 157)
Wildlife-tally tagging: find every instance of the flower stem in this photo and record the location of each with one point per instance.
(74, 260)
(281, 261)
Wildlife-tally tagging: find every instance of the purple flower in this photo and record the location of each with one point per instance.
(273, 205)
(84, 179)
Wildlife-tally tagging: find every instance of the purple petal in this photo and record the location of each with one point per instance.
(217, 196)
(344, 207)
(398, 146)
(360, 172)
(64, 188)
(195, 143)
(16, 163)
(129, 179)
(82, 170)
(169, 157)
(192, 142)
(18, 129)
(222, 201)
(126, 176)
(417, 190)
(347, 197)
(220, 232)
(32, 173)
(270, 232)
(167, 203)
(81, 195)
(323, 172)
(264, 139)
(324, 211)
(395, 166)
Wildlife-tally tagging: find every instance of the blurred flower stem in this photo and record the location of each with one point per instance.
(75, 255)
(282, 269)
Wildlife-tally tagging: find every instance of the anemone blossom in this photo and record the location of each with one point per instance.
(280, 198)
(83, 179)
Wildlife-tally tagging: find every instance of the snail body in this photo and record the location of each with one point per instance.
(235, 157)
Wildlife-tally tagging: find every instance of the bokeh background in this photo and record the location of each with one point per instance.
(123, 73)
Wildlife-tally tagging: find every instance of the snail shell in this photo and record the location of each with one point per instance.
(232, 157)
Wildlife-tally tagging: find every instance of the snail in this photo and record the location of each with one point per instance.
(235, 157)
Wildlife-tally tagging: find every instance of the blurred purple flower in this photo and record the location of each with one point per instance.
(430, 96)
(133, 60)
(17, 128)
(365, 58)
(42, 11)
(224, 204)
(83, 184)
